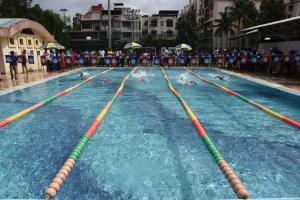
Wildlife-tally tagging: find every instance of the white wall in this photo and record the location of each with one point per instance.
(6, 48)
(285, 47)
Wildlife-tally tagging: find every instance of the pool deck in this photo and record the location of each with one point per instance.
(291, 85)
(7, 85)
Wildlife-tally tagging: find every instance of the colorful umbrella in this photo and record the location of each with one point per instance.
(184, 47)
(132, 45)
(53, 45)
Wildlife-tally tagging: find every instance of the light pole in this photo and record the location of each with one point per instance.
(63, 10)
(109, 26)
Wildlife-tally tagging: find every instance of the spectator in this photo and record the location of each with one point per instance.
(13, 65)
(24, 63)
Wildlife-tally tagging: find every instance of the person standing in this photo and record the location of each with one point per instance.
(24, 63)
(13, 65)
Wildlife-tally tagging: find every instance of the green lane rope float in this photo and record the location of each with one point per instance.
(233, 180)
(65, 170)
(49, 100)
(252, 103)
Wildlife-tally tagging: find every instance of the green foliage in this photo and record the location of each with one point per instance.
(224, 25)
(271, 10)
(244, 12)
(50, 20)
(188, 29)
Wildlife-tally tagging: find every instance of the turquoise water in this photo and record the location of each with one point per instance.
(146, 148)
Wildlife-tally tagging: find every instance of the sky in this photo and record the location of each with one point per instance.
(81, 6)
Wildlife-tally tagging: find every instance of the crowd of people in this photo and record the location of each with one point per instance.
(272, 61)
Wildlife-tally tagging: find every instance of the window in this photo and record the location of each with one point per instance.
(169, 33)
(146, 23)
(87, 25)
(43, 42)
(116, 24)
(161, 23)
(21, 42)
(97, 28)
(169, 23)
(36, 42)
(126, 24)
(291, 8)
(126, 34)
(153, 32)
(11, 41)
(154, 22)
(29, 42)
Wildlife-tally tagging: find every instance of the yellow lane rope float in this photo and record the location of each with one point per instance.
(49, 100)
(65, 170)
(232, 179)
(270, 112)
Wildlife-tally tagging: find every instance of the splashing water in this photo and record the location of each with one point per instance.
(184, 78)
(142, 75)
(222, 77)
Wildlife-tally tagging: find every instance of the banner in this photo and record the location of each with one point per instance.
(156, 60)
(31, 60)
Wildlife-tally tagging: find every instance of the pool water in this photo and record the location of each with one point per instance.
(146, 147)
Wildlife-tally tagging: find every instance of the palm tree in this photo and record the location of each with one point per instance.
(224, 25)
(188, 29)
(244, 12)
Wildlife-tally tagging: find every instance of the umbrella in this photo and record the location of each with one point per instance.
(132, 45)
(53, 45)
(184, 47)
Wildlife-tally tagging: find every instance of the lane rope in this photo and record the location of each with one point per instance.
(266, 110)
(48, 100)
(69, 164)
(232, 179)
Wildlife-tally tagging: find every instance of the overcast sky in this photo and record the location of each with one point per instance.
(82, 6)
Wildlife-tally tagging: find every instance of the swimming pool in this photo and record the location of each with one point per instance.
(146, 148)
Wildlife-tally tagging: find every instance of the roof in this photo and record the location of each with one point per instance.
(245, 34)
(10, 26)
(9, 22)
(273, 23)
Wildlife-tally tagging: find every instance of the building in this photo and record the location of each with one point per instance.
(292, 8)
(126, 27)
(18, 34)
(207, 12)
(161, 25)
(283, 34)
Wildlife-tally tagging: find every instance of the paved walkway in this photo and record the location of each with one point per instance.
(291, 84)
(6, 83)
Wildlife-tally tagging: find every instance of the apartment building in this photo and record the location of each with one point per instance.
(126, 27)
(161, 25)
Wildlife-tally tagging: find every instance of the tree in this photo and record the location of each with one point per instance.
(271, 10)
(245, 13)
(188, 29)
(50, 20)
(224, 25)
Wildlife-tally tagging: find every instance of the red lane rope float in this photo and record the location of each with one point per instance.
(47, 101)
(65, 170)
(234, 181)
(254, 104)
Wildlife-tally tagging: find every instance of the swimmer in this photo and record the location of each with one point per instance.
(142, 79)
(219, 77)
(105, 81)
(193, 83)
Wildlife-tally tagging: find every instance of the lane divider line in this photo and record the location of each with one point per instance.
(232, 179)
(266, 110)
(66, 169)
(48, 100)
